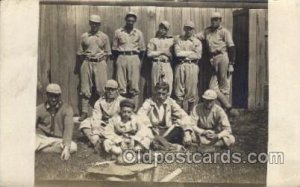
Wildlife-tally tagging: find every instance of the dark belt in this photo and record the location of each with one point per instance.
(94, 59)
(128, 52)
(161, 60)
(188, 61)
(130, 133)
(216, 53)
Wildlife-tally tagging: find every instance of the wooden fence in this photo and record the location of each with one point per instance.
(258, 59)
(62, 25)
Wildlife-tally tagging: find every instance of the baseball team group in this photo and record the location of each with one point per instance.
(117, 123)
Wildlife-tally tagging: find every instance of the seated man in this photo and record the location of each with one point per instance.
(54, 125)
(169, 122)
(127, 131)
(104, 108)
(210, 123)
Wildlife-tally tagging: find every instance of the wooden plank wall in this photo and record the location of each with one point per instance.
(240, 75)
(258, 61)
(62, 25)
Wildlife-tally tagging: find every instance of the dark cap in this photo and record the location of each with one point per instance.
(127, 103)
(162, 84)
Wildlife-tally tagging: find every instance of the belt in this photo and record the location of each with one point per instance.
(189, 61)
(128, 52)
(94, 59)
(130, 133)
(161, 60)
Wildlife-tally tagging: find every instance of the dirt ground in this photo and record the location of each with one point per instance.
(250, 130)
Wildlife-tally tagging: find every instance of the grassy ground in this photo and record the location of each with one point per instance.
(250, 130)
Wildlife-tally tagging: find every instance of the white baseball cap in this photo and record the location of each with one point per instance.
(209, 95)
(95, 18)
(53, 88)
(216, 15)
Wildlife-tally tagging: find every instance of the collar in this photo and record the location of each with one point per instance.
(103, 99)
(190, 38)
(153, 103)
(132, 120)
(165, 37)
(212, 109)
(96, 34)
(134, 30)
(219, 28)
(57, 106)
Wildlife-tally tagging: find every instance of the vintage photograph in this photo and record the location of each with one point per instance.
(153, 91)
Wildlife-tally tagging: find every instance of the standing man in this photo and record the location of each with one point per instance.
(105, 107)
(54, 125)
(159, 50)
(222, 57)
(210, 123)
(168, 120)
(188, 50)
(94, 50)
(129, 47)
